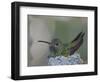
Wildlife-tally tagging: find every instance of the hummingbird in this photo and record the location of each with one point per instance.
(57, 48)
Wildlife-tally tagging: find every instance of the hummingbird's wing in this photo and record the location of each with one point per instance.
(75, 44)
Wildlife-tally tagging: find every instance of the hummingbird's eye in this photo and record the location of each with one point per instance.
(57, 44)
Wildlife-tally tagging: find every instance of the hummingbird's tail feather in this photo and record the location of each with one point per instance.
(83, 35)
(77, 36)
(75, 45)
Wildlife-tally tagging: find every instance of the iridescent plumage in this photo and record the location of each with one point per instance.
(58, 48)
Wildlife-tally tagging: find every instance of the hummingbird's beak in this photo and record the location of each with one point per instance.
(45, 42)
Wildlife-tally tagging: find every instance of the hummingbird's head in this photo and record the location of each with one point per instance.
(54, 45)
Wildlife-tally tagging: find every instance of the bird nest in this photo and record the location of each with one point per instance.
(62, 60)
